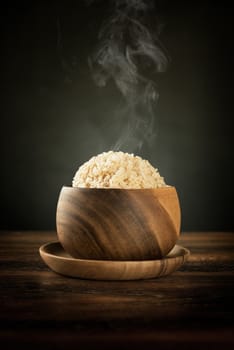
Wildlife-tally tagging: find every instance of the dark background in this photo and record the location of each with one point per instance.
(53, 117)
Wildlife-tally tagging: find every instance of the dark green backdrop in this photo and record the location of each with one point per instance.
(53, 117)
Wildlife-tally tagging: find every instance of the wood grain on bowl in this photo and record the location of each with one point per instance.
(118, 224)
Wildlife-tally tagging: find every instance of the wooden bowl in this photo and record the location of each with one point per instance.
(118, 224)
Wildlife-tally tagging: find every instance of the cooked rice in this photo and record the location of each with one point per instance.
(117, 170)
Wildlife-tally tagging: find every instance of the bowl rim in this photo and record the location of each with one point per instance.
(163, 188)
(45, 249)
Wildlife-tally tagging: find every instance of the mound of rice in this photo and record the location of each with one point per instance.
(117, 170)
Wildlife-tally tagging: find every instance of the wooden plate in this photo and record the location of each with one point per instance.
(61, 262)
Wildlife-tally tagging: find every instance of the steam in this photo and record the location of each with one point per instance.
(128, 49)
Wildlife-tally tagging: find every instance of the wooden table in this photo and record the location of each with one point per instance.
(192, 307)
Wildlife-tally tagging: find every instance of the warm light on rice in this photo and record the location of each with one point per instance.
(117, 170)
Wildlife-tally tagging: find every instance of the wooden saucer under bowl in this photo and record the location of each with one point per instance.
(61, 262)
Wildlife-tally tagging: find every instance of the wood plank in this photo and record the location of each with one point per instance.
(194, 305)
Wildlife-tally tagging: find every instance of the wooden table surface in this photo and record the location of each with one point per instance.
(192, 307)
